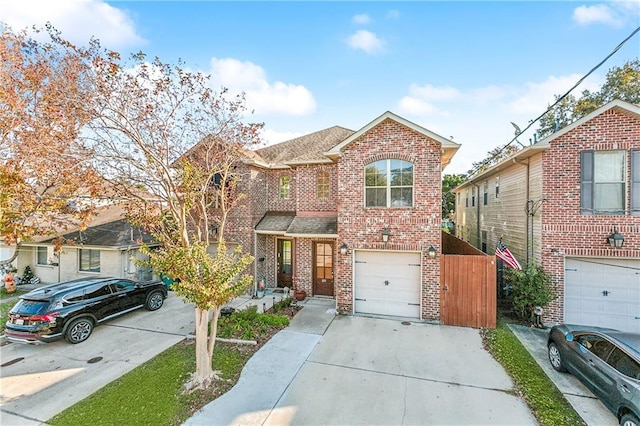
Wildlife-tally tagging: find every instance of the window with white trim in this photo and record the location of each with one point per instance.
(88, 260)
(285, 187)
(602, 182)
(389, 183)
(42, 255)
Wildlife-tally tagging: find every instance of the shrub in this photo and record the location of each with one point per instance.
(530, 287)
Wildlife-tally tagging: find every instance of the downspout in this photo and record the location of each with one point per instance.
(479, 232)
(255, 263)
(528, 228)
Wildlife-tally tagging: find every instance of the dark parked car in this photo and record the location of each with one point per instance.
(72, 309)
(606, 361)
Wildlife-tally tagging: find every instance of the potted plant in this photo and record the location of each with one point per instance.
(298, 293)
(261, 288)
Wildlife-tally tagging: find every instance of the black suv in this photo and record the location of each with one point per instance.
(71, 309)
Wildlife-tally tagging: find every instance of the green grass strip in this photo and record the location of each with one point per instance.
(546, 402)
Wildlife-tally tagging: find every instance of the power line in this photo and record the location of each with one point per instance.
(618, 47)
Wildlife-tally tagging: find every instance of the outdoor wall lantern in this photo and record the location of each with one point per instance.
(343, 249)
(615, 239)
(432, 252)
(385, 235)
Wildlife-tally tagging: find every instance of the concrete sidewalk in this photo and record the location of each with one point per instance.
(592, 411)
(269, 372)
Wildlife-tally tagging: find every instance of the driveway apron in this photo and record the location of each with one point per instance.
(370, 371)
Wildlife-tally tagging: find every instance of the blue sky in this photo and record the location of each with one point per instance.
(461, 69)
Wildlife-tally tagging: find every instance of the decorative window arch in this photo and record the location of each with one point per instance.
(389, 183)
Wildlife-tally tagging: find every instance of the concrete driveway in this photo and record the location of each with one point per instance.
(39, 381)
(369, 371)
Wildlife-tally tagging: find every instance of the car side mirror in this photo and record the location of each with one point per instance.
(569, 337)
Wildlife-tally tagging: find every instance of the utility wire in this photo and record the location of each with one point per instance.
(618, 47)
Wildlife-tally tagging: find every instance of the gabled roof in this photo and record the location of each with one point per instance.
(449, 147)
(544, 144)
(622, 106)
(307, 149)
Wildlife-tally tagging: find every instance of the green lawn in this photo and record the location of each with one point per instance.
(544, 399)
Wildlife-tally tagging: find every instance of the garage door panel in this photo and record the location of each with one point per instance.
(603, 292)
(387, 283)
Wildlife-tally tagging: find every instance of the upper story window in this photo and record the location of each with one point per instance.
(497, 186)
(485, 194)
(322, 184)
(602, 182)
(466, 198)
(285, 187)
(389, 183)
(473, 196)
(89, 260)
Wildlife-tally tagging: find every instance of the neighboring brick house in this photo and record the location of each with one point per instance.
(374, 195)
(556, 203)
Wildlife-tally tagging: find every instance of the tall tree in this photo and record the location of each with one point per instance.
(169, 144)
(620, 83)
(46, 92)
(449, 182)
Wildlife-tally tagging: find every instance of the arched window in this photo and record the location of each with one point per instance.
(389, 183)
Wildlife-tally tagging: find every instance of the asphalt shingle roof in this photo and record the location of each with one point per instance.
(309, 147)
(118, 233)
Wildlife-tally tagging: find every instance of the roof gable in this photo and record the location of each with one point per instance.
(448, 147)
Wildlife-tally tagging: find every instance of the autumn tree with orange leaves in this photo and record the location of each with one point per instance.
(46, 97)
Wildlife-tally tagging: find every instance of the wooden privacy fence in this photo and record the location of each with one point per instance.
(467, 285)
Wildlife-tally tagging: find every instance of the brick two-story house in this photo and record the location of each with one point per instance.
(563, 203)
(349, 215)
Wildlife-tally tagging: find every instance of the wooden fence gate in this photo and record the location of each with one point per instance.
(468, 289)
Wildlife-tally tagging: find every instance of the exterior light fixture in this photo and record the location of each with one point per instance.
(615, 239)
(343, 249)
(385, 235)
(432, 252)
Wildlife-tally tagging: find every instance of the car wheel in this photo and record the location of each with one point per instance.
(155, 299)
(555, 358)
(79, 330)
(629, 420)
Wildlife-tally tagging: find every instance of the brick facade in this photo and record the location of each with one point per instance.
(412, 229)
(566, 232)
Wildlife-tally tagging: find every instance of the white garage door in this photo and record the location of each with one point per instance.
(604, 292)
(387, 283)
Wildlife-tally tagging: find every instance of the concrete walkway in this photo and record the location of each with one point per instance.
(592, 411)
(327, 369)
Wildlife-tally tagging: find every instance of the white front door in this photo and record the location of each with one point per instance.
(387, 283)
(604, 292)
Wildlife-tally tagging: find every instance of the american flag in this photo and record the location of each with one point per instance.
(503, 253)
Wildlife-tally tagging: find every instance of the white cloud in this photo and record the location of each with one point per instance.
(615, 13)
(366, 41)
(585, 15)
(77, 20)
(361, 19)
(262, 96)
(270, 136)
(393, 14)
(479, 118)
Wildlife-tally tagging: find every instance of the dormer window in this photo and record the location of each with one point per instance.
(389, 183)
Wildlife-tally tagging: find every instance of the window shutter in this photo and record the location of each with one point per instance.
(635, 181)
(586, 182)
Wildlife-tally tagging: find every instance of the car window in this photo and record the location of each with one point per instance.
(624, 364)
(31, 307)
(74, 297)
(596, 345)
(123, 286)
(96, 291)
